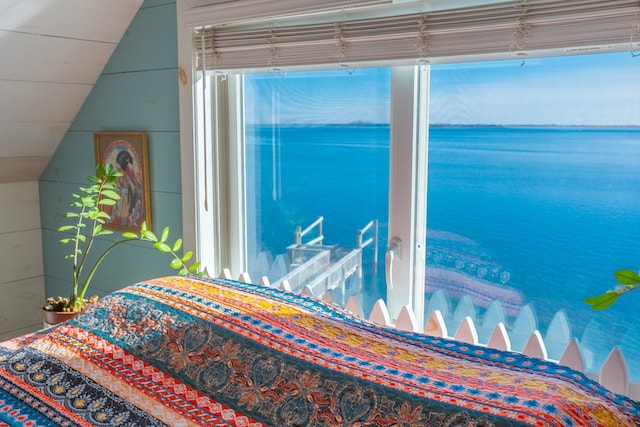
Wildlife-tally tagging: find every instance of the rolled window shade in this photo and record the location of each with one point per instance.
(513, 29)
(251, 10)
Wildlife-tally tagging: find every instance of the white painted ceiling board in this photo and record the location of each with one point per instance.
(198, 3)
(40, 102)
(20, 139)
(19, 169)
(100, 20)
(52, 59)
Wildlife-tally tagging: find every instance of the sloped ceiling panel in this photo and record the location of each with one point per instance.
(52, 54)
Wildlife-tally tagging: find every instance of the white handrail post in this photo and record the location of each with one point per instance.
(467, 331)
(614, 373)
(499, 338)
(354, 307)
(436, 326)
(380, 314)
(572, 356)
(244, 277)
(406, 320)
(284, 286)
(535, 346)
(264, 281)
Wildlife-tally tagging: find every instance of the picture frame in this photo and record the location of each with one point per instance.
(128, 153)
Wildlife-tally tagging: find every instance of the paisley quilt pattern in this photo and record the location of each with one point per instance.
(199, 352)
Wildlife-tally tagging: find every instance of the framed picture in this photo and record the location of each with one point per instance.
(127, 152)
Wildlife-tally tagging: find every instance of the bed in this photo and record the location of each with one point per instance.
(193, 351)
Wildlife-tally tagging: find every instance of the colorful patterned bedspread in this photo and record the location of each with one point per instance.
(194, 352)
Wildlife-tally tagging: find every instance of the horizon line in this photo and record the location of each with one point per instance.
(361, 123)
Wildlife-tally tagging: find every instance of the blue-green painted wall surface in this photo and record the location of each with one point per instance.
(137, 91)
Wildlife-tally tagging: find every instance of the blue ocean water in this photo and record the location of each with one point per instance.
(555, 207)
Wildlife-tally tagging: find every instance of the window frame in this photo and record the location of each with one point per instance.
(228, 211)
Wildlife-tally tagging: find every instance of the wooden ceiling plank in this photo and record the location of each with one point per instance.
(98, 20)
(52, 59)
(26, 139)
(41, 102)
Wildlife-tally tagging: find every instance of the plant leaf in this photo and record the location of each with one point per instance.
(165, 234)
(187, 256)
(148, 235)
(175, 263)
(162, 247)
(130, 235)
(102, 214)
(66, 228)
(603, 301)
(177, 245)
(627, 277)
(110, 194)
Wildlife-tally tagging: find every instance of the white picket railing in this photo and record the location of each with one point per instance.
(613, 374)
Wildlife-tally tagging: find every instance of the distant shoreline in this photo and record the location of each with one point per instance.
(439, 125)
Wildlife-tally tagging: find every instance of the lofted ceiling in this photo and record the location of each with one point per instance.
(51, 54)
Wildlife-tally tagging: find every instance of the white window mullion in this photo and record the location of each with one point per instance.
(420, 161)
(407, 192)
(236, 173)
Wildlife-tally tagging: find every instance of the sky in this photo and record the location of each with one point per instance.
(333, 96)
(577, 90)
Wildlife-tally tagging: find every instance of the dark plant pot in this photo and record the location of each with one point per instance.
(52, 318)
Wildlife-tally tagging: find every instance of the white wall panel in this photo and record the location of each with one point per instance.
(22, 280)
(19, 208)
(21, 306)
(20, 255)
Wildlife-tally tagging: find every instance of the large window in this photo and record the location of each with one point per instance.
(532, 190)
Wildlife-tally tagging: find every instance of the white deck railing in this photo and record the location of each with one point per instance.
(613, 374)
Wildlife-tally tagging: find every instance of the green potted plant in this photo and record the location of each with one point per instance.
(627, 281)
(88, 220)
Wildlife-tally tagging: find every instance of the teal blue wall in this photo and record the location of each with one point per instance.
(137, 91)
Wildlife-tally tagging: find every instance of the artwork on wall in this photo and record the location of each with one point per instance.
(127, 152)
